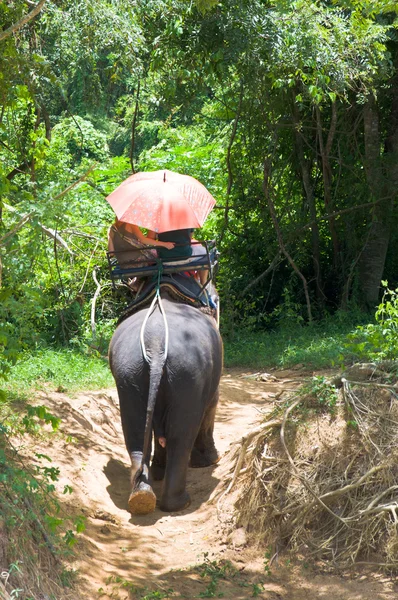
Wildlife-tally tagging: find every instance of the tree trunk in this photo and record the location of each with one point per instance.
(281, 243)
(327, 176)
(308, 187)
(133, 126)
(381, 184)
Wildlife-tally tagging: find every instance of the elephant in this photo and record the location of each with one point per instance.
(175, 396)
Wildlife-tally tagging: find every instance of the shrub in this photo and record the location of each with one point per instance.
(379, 340)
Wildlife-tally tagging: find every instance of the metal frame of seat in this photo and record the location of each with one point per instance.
(139, 267)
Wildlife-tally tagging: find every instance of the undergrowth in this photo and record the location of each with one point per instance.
(334, 342)
(378, 341)
(36, 536)
(319, 476)
(322, 345)
(71, 370)
(62, 370)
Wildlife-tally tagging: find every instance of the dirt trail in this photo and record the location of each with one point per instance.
(119, 551)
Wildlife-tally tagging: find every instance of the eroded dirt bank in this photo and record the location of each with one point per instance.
(119, 552)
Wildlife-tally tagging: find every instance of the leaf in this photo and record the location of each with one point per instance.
(80, 523)
(53, 522)
(43, 456)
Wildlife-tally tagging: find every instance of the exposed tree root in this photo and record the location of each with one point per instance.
(324, 484)
(240, 453)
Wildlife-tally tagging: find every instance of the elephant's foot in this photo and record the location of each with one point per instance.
(142, 500)
(203, 458)
(175, 503)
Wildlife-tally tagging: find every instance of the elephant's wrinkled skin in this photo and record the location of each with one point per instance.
(184, 389)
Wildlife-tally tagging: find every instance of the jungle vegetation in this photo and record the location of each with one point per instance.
(286, 110)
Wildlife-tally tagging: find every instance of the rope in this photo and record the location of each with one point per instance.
(156, 300)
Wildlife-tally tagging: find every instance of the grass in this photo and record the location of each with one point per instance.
(318, 346)
(62, 369)
(323, 345)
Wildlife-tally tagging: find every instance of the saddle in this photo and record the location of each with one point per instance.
(183, 288)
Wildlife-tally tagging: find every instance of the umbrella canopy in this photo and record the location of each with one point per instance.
(162, 201)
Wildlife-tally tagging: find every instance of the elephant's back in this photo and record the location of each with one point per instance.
(193, 338)
(124, 347)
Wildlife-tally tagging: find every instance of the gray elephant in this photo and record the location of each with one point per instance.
(175, 396)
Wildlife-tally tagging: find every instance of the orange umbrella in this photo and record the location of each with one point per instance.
(162, 201)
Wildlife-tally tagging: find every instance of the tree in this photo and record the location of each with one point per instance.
(295, 81)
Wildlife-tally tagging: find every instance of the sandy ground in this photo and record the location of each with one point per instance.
(193, 552)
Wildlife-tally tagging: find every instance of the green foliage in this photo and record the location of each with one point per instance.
(323, 391)
(187, 150)
(93, 51)
(118, 583)
(214, 571)
(258, 589)
(205, 5)
(248, 97)
(42, 414)
(191, 60)
(32, 520)
(64, 370)
(267, 561)
(333, 342)
(379, 340)
(80, 139)
(319, 346)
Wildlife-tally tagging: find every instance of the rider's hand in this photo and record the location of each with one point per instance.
(168, 245)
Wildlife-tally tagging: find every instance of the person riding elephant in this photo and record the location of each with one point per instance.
(167, 367)
(125, 238)
(185, 249)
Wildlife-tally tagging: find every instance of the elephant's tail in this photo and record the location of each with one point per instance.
(156, 366)
(155, 376)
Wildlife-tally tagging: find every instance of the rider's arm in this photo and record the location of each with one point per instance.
(148, 240)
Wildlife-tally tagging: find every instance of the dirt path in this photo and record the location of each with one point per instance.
(119, 553)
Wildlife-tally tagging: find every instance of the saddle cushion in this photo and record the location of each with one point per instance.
(182, 287)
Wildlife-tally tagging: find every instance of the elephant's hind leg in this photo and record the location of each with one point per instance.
(132, 400)
(204, 455)
(203, 458)
(204, 452)
(174, 494)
